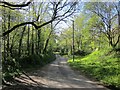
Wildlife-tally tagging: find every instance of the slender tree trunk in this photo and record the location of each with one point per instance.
(8, 34)
(4, 28)
(81, 43)
(36, 42)
(39, 48)
(0, 52)
(119, 14)
(77, 46)
(119, 23)
(47, 41)
(100, 39)
(46, 44)
(28, 39)
(32, 50)
(32, 38)
(12, 44)
(1, 48)
(20, 42)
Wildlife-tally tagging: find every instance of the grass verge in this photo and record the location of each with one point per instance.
(102, 65)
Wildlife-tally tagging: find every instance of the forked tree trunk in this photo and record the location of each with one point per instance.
(47, 41)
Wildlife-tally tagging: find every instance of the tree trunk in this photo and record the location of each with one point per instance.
(39, 48)
(119, 14)
(46, 44)
(4, 28)
(8, 34)
(119, 22)
(36, 42)
(47, 41)
(20, 42)
(12, 44)
(32, 50)
(28, 39)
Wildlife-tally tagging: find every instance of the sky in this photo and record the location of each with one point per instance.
(58, 0)
(61, 25)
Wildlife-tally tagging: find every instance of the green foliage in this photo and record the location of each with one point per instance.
(12, 67)
(36, 60)
(20, 53)
(49, 57)
(103, 65)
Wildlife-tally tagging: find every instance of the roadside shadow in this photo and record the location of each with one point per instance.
(27, 87)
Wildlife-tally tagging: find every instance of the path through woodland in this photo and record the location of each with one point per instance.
(58, 75)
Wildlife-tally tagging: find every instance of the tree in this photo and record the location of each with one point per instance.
(14, 6)
(79, 26)
(21, 38)
(106, 12)
(24, 33)
(57, 7)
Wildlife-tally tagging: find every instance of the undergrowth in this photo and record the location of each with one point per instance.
(13, 67)
(102, 65)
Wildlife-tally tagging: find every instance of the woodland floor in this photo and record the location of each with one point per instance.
(55, 76)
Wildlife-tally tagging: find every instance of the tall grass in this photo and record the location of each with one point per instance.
(103, 65)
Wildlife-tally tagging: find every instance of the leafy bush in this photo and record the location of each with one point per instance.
(36, 60)
(12, 67)
(81, 53)
(29, 61)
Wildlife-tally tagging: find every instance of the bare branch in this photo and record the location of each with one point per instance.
(12, 7)
(18, 25)
(55, 16)
(17, 5)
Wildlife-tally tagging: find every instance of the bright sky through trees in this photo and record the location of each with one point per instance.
(58, 0)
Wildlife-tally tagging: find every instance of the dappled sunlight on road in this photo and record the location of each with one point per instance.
(59, 75)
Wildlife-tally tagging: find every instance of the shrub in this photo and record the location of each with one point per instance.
(12, 67)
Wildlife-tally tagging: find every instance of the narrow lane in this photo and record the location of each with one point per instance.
(59, 75)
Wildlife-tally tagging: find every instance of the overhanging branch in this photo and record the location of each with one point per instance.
(18, 25)
(16, 5)
(68, 12)
(25, 23)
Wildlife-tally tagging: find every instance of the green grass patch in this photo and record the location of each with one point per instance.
(102, 65)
